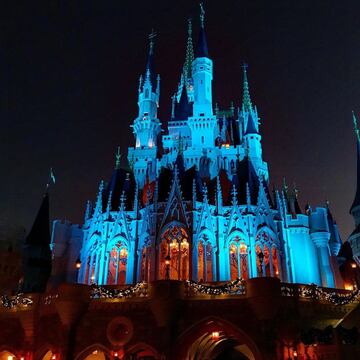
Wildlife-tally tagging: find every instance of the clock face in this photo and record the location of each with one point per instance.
(119, 331)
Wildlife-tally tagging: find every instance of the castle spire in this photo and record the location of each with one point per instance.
(202, 48)
(356, 201)
(150, 60)
(189, 57)
(246, 103)
(117, 158)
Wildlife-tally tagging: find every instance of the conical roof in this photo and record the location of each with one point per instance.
(40, 231)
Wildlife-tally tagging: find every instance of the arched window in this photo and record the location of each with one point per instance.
(266, 255)
(239, 264)
(145, 264)
(205, 261)
(117, 265)
(174, 248)
(146, 93)
(202, 139)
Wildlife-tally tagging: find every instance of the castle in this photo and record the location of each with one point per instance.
(196, 194)
(186, 253)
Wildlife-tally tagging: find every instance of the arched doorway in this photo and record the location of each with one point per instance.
(216, 339)
(49, 356)
(7, 355)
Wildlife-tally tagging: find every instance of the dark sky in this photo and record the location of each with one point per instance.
(70, 91)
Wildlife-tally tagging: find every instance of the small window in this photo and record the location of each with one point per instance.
(146, 93)
(202, 114)
(202, 139)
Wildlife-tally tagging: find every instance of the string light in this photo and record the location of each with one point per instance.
(18, 300)
(235, 286)
(102, 292)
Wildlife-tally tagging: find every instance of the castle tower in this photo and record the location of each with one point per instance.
(354, 238)
(249, 129)
(203, 122)
(146, 126)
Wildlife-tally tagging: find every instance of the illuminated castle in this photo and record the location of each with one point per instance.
(194, 202)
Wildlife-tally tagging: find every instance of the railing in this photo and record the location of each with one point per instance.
(235, 287)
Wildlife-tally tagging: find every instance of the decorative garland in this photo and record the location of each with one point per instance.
(100, 292)
(317, 293)
(18, 300)
(232, 287)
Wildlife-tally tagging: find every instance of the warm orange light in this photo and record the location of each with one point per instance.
(95, 352)
(295, 353)
(167, 261)
(353, 265)
(22, 358)
(78, 264)
(116, 354)
(277, 272)
(349, 287)
(10, 357)
(215, 335)
(53, 357)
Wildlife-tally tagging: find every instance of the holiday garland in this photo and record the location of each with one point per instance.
(100, 292)
(317, 293)
(236, 286)
(17, 300)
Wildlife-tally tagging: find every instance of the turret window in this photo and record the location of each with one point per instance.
(146, 93)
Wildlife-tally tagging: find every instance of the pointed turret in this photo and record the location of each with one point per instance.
(356, 201)
(250, 128)
(150, 69)
(202, 47)
(202, 73)
(183, 109)
(37, 253)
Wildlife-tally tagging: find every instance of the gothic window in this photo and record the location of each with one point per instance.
(146, 93)
(266, 255)
(117, 265)
(174, 247)
(202, 139)
(205, 261)
(239, 264)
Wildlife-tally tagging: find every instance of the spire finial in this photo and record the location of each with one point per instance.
(202, 14)
(117, 157)
(357, 131)
(152, 37)
(246, 105)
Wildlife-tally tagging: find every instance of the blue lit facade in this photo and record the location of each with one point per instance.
(194, 202)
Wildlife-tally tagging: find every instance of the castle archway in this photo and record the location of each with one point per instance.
(216, 339)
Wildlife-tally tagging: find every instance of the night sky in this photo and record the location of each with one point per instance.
(70, 91)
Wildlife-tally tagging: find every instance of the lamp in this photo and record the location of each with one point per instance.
(78, 264)
(215, 335)
(353, 265)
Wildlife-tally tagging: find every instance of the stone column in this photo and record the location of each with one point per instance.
(321, 241)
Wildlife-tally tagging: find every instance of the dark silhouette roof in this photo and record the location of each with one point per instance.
(40, 231)
(246, 174)
(202, 47)
(356, 201)
(183, 109)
